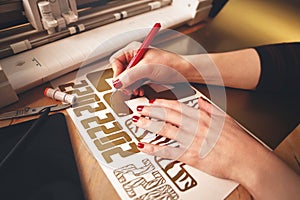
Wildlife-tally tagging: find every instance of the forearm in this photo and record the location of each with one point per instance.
(265, 176)
(237, 69)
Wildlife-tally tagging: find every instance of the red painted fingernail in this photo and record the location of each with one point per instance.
(140, 145)
(117, 84)
(139, 108)
(151, 100)
(135, 118)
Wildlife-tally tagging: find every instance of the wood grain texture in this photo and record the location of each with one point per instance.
(94, 181)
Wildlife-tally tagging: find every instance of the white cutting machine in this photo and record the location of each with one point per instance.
(65, 36)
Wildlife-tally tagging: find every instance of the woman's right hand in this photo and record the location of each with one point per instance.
(157, 66)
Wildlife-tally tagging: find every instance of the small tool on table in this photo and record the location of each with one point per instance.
(28, 111)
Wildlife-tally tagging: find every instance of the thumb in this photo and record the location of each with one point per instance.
(129, 77)
(120, 59)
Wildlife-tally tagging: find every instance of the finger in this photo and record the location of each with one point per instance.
(165, 114)
(204, 105)
(135, 92)
(214, 126)
(166, 151)
(121, 58)
(118, 67)
(138, 92)
(166, 130)
(159, 127)
(187, 126)
(209, 108)
(134, 77)
(177, 106)
(135, 87)
(126, 53)
(187, 118)
(141, 92)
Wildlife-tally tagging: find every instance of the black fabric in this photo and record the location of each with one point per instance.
(217, 5)
(280, 68)
(44, 168)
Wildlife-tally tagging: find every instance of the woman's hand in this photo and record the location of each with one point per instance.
(210, 140)
(237, 69)
(157, 66)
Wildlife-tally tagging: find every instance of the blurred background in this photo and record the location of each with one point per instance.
(246, 23)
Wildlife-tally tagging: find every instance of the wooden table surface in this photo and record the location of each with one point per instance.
(94, 181)
(96, 185)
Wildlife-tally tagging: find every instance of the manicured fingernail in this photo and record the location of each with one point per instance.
(140, 145)
(151, 100)
(135, 118)
(117, 84)
(139, 108)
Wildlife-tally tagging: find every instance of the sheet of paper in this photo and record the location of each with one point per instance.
(112, 139)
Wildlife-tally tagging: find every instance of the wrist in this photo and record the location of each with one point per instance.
(265, 176)
(239, 69)
(199, 69)
(250, 165)
(252, 173)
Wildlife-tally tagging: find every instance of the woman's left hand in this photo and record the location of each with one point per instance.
(208, 139)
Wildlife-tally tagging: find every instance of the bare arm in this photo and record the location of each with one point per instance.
(272, 179)
(235, 155)
(273, 68)
(237, 69)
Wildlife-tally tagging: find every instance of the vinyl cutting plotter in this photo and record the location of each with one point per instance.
(59, 35)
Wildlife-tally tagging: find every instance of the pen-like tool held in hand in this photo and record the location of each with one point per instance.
(118, 98)
(144, 47)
